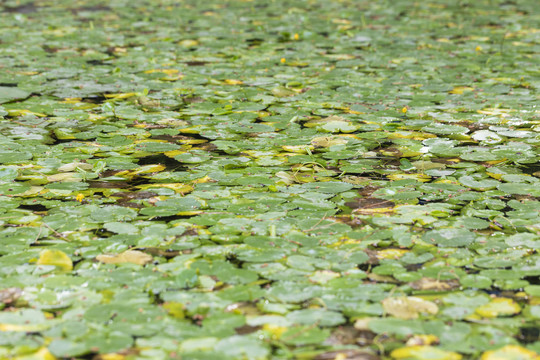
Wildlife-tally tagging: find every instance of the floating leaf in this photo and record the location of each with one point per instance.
(498, 307)
(510, 352)
(57, 258)
(10, 93)
(408, 307)
(427, 352)
(129, 256)
(42, 354)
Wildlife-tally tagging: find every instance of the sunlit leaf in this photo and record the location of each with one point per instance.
(129, 256)
(408, 307)
(57, 258)
(424, 353)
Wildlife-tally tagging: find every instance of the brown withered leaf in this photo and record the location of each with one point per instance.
(368, 206)
(10, 295)
(349, 335)
(369, 203)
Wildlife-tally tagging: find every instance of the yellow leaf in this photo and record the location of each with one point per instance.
(354, 112)
(146, 169)
(423, 352)
(111, 357)
(169, 72)
(408, 307)
(21, 112)
(495, 111)
(190, 130)
(188, 43)
(233, 82)
(173, 122)
(299, 149)
(27, 73)
(497, 307)
(495, 162)
(93, 117)
(189, 213)
(23, 327)
(327, 141)
(55, 257)
(42, 354)
(173, 153)
(175, 309)
(120, 95)
(177, 187)
(71, 101)
(369, 211)
(460, 90)
(391, 253)
(510, 352)
(275, 330)
(129, 256)
(419, 177)
(494, 175)
(203, 180)
(323, 276)
(422, 340)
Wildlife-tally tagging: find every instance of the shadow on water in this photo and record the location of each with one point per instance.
(530, 168)
(22, 9)
(170, 163)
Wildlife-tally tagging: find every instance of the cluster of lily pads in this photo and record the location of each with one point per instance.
(269, 180)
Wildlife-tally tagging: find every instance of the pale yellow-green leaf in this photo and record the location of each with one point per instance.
(460, 90)
(418, 340)
(177, 187)
(327, 141)
(419, 177)
(57, 258)
(129, 256)
(42, 354)
(391, 253)
(23, 327)
(112, 356)
(300, 149)
(323, 276)
(408, 307)
(510, 352)
(424, 352)
(498, 307)
(64, 177)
